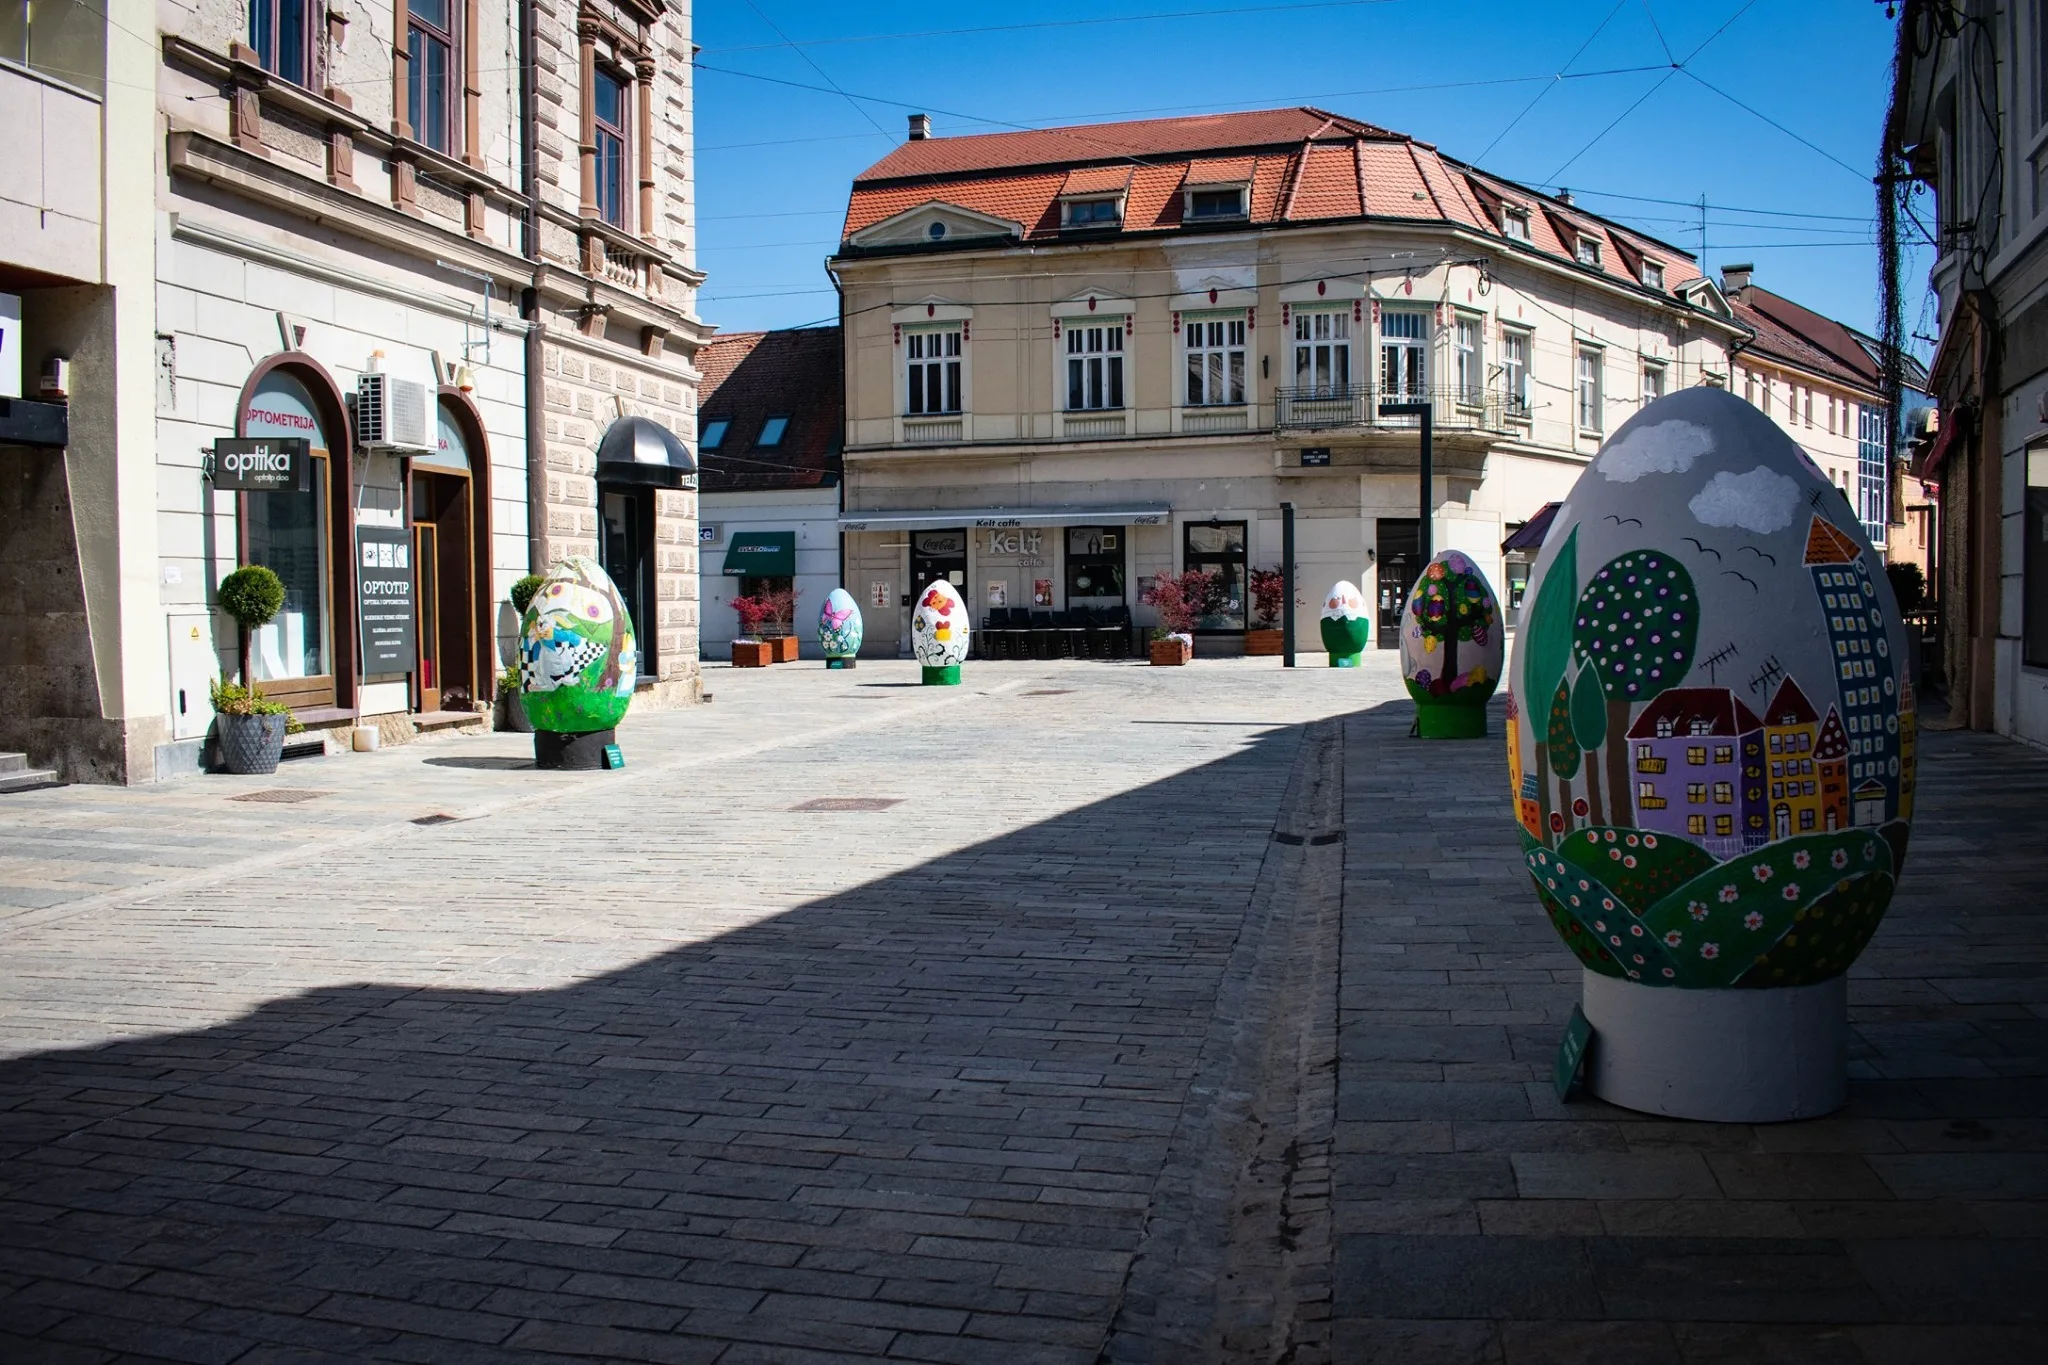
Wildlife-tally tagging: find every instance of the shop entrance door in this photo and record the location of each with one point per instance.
(1399, 550)
(625, 550)
(938, 554)
(443, 568)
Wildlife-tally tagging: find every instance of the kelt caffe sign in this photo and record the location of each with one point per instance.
(261, 464)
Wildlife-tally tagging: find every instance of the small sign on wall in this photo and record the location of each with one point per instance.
(878, 593)
(384, 599)
(262, 464)
(710, 532)
(1041, 592)
(999, 593)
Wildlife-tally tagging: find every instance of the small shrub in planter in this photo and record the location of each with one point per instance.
(1265, 636)
(524, 591)
(1181, 600)
(1171, 649)
(511, 710)
(251, 726)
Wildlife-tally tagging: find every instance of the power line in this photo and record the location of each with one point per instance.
(1755, 113)
(1554, 79)
(1051, 23)
(810, 62)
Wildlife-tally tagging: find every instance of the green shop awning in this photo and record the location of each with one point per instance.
(761, 554)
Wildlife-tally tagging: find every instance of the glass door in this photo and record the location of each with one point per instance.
(426, 559)
(1399, 548)
(1217, 549)
(1404, 356)
(625, 551)
(938, 554)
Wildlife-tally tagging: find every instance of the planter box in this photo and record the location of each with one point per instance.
(785, 647)
(1262, 642)
(1171, 653)
(757, 655)
(251, 744)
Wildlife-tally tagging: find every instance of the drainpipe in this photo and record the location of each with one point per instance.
(529, 298)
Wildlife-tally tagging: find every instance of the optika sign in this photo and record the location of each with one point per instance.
(261, 464)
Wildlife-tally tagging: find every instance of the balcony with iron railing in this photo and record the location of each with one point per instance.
(1332, 407)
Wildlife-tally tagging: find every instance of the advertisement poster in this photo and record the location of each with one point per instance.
(1041, 592)
(999, 594)
(384, 596)
(878, 593)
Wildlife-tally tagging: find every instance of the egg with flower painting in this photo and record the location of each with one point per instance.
(1346, 624)
(1451, 647)
(578, 660)
(839, 625)
(1711, 725)
(938, 631)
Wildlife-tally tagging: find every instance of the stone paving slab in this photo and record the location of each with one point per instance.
(649, 1065)
(1481, 1222)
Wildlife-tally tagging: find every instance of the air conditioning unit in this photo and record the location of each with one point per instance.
(392, 413)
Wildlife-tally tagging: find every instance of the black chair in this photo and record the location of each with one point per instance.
(1073, 637)
(1083, 620)
(1044, 639)
(1114, 633)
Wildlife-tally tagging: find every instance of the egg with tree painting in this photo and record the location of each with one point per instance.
(1451, 647)
(578, 660)
(1712, 729)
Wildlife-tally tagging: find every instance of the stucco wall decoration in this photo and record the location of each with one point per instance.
(1711, 745)
(1345, 623)
(938, 632)
(1451, 648)
(577, 657)
(839, 629)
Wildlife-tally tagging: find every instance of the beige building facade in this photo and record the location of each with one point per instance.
(1051, 403)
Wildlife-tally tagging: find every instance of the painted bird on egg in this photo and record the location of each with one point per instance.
(938, 632)
(1711, 726)
(839, 629)
(1346, 624)
(1451, 647)
(577, 657)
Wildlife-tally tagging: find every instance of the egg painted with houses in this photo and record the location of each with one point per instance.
(1451, 647)
(839, 628)
(938, 632)
(1711, 723)
(1346, 624)
(578, 660)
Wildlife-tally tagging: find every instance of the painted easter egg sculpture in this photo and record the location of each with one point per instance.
(938, 633)
(1711, 744)
(577, 657)
(839, 629)
(1346, 624)
(1451, 648)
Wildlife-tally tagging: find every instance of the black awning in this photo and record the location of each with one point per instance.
(1528, 538)
(643, 451)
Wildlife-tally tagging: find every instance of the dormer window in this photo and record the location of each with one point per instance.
(1653, 275)
(771, 431)
(1514, 223)
(1587, 249)
(1209, 204)
(712, 434)
(1091, 213)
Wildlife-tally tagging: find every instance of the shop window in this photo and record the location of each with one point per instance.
(282, 32)
(1322, 351)
(1215, 349)
(608, 107)
(2035, 560)
(1217, 548)
(932, 371)
(287, 532)
(1095, 566)
(779, 592)
(432, 78)
(1095, 365)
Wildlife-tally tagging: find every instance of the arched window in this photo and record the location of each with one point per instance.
(287, 531)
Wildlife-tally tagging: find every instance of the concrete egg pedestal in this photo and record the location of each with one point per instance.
(580, 752)
(1729, 1056)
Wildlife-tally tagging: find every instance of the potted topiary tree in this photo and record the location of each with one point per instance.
(1265, 636)
(1180, 600)
(251, 727)
(253, 595)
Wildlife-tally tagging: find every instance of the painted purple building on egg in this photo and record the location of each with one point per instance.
(1696, 754)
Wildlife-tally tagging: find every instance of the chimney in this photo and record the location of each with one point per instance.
(920, 127)
(1564, 196)
(1735, 278)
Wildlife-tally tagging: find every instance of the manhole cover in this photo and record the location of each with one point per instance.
(437, 818)
(1050, 692)
(283, 796)
(850, 803)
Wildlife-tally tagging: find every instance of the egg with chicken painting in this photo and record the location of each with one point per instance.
(939, 632)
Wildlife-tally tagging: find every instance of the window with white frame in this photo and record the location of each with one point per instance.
(1514, 223)
(1215, 351)
(932, 371)
(1806, 399)
(1322, 350)
(1653, 382)
(1095, 365)
(1589, 389)
(1872, 488)
(1404, 355)
(1091, 213)
(1514, 370)
(1469, 360)
(1587, 249)
(1653, 274)
(1213, 203)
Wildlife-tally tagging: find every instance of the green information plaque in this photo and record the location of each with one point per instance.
(1571, 1053)
(614, 757)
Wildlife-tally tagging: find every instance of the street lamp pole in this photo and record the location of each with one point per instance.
(1426, 411)
(1287, 584)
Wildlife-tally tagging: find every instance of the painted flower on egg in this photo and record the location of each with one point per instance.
(938, 626)
(839, 625)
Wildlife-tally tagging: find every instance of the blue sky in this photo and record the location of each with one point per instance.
(1478, 79)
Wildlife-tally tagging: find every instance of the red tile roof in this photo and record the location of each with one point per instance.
(1798, 336)
(750, 377)
(1721, 709)
(1304, 165)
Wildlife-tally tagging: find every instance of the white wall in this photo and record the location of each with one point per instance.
(813, 514)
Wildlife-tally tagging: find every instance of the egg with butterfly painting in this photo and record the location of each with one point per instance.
(1711, 721)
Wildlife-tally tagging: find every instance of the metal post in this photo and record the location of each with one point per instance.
(1426, 411)
(1287, 585)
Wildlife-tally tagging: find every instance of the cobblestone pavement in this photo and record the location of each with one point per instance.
(1166, 1015)
(1483, 1223)
(656, 1065)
